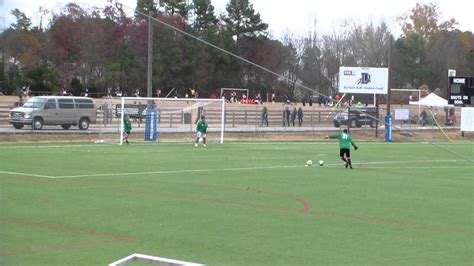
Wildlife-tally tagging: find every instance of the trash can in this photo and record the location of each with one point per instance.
(187, 118)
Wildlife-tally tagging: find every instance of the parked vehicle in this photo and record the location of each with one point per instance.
(359, 116)
(54, 110)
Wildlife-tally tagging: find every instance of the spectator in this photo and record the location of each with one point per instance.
(273, 97)
(293, 116)
(286, 116)
(265, 116)
(300, 116)
(27, 92)
(423, 117)
(20, 101)
(310, 100)
(258, 98)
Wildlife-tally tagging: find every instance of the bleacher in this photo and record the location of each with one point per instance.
(236, 115)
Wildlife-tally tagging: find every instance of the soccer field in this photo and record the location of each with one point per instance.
(237, 204)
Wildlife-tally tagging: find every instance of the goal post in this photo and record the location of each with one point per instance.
(172, 115)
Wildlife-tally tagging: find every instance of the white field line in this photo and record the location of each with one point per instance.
(25, 174)
(256, 168)
(417, 161)
(422, 167)
(192, 149)
(184, 171)
(253, 168)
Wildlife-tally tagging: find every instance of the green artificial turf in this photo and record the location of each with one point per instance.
(237, 204)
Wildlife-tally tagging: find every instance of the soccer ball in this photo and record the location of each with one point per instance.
(321, 162)
(309, 163)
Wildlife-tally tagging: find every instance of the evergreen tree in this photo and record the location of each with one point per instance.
(242, 20)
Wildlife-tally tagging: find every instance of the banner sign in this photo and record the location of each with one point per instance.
(467, 119)
(402, 114)
(363, 80)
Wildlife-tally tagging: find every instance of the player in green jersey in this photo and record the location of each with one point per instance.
(201, 129)
(345, 142)
(127, 128)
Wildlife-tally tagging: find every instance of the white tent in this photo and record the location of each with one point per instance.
(431, 100)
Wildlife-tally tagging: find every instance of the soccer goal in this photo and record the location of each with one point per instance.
(151, 117)
(234, 91)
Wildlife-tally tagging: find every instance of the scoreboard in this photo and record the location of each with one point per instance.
(461, 90)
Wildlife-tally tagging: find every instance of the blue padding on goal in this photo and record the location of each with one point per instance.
(151, 128)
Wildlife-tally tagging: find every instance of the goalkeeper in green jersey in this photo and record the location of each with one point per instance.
(201, 129)
(345, 141)
(127, 128)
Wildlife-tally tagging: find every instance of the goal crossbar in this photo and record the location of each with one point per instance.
(234, 89)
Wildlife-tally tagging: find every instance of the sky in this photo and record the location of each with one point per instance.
(297, 19)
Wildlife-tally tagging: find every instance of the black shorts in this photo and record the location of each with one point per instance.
(347, 152)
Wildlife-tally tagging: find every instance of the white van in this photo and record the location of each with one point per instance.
(65, 111)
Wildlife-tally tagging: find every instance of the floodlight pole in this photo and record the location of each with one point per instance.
(388, 118)
(389, 65)
(150, 59)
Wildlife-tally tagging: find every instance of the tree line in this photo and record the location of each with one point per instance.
(100, 49)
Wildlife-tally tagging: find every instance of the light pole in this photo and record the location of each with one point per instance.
(151, 112)
(2, 78)
(150, 57)
(388, 117)
(149, 84)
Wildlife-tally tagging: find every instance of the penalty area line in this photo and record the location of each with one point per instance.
(184, 171)
(25, 174)
(240, 169)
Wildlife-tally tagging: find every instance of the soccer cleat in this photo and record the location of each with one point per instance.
(195, 145)
(204, 145)
(347, 164)
(350, 166)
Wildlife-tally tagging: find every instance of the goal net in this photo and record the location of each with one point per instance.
(153, 119)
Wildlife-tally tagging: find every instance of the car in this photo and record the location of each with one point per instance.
(64, 111)
(359, 116)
